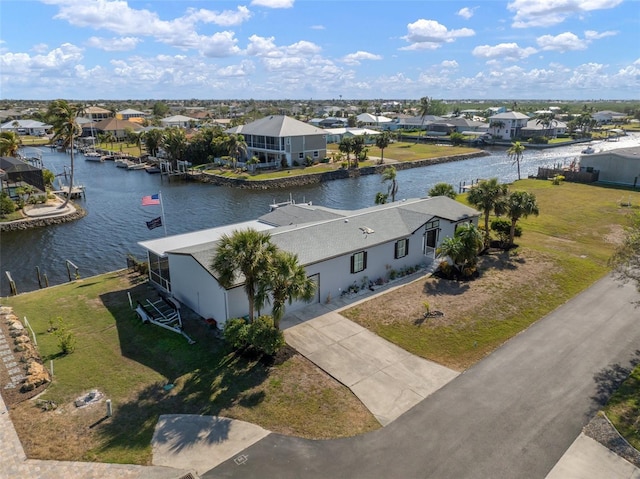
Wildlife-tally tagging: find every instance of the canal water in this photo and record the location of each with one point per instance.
(115, 220)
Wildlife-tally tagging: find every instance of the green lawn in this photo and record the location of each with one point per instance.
(130, 363)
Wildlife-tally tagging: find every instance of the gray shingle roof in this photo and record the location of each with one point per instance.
(278, 126)
(329, 238)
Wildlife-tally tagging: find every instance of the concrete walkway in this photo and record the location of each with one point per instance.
(387, 379)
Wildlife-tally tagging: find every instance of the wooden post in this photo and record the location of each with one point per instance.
(12, 284)
(39, 278)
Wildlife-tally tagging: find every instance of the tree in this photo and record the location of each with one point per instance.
(160, 109)
(519, 204)
(346, 146)
(381, 198)
(382, 141)
(516, 152)
(175, 144)
(625, 261)
(63, 117)
(245, 253)
(110, 137)
(389, 175)
(285, 281)
(236, 147)
(153, 140)
(456, 138)
(358, 147)
(443, 189)
(9, 143)
(486, 195)
(546, 120)
(423, 110)
(462, 248)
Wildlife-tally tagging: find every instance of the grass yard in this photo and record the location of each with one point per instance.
(623, 409)
(131, 363)
(561, 252)
(406, 151)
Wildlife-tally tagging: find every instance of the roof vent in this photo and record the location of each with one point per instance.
(346, 220)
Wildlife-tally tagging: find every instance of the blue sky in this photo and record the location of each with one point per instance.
(320, 49)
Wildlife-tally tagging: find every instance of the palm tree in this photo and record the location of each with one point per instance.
(236, 147)
(443, 189)
(9, 143)
(110, 137)
(520, 204)
(175, 144)
(486, 195)
(63, 117)
(424, 109)
(462, 248)
(153, 139)
(346, 146)
(357, 148)
(381, 198)
(382, 141)
(389, 175)
(245, 253)
(516, 152)
(546, 120)
(285, 282)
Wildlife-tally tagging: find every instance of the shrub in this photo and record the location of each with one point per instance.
(326, 159)
(308, 161)
(344, 165)
(236, 333)
(258, 336)
(7, 206)
(66, 338)
(295, 163)
(558, 179)
(502, 228)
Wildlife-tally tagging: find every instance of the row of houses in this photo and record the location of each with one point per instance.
(341, 250)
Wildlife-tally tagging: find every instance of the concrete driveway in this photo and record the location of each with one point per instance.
(514, 414)
(387, 379)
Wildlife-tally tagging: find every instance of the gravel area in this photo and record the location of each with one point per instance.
(600, 429)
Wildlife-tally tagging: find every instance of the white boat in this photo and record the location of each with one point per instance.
(588, 150)
(92, 156)
(136, 166)
(122, 163)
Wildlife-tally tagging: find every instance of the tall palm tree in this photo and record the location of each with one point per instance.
(516, 153)
(520, 204)
(486, 195)
(9, 143)
(382, 141)
(346, 146)
(357, 148)
(63, 117)
(286, 281)
(244, 255)
(389, 175)
(546, 120)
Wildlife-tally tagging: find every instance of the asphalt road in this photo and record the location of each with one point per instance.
(513, 415)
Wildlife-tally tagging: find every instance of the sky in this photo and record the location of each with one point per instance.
(319, 49)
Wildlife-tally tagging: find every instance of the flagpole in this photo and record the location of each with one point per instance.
(164, 221)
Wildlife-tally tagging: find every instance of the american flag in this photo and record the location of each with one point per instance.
(151, 200)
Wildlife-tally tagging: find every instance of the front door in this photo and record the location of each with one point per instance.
(430, 242)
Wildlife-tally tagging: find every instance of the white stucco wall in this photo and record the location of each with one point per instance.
(613, 168)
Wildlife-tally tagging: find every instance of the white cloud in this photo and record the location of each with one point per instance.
(466, 12)
(451, 64)
(113, 44)
(40, 48)
(266, 47)
(563, 42)
(318, 27)
(593, 35)
(503, 51)
(221, 44)
(227, 18)
(429, 34)
(543, 13)
(273, 3)
(359, 56)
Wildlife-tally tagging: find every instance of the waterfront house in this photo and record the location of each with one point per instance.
(280, 140)
(180, 121)
(535, 129)
(340, 250)
(335, 135)
(17, 173)
(97, 113)
(26, 127)
(620, 166)
(507, 125)
(129, 114)
(372, 121)
(119, 128)
(607, 117)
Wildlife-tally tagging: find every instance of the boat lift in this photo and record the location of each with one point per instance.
(165, 313)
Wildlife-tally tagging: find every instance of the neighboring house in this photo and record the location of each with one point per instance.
(337, 248)
(26, 127)
(535, 129)
(373, 121)
(111, 125)
(466, 125)
(607, 117)
(417, 122)
(507, 125)
(620, 166)
(279, 140)
(179, 121)
(96, 113)
(129, 113)
(335, 135)
(18, 172)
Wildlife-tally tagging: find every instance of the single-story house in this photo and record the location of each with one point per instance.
(18, 172)
(535, 129)
(110, 125)
(180, 121)
(607, 117)
(417, 122)
(375, 121)
(130, 113)
(335, 135)
(280, 140)
(26, 127)
(339, 249)
(620, 166)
